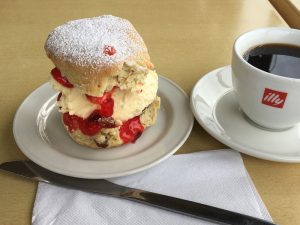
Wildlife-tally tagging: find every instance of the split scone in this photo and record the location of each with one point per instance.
(107, 83)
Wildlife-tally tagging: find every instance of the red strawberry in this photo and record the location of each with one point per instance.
(131, 130)
(109, 50)
(61, 79)
(71, 121)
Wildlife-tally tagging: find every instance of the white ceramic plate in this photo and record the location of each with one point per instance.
(41, 137)
(216, 109)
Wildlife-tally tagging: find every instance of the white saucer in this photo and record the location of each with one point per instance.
(216, 109)
(41, 137)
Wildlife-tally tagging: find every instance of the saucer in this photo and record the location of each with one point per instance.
(40, 135)
(216, 109)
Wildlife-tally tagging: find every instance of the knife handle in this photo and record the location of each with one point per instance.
(194, 209)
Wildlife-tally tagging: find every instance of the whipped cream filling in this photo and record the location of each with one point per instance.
(73, 101)
(129, 100)
(128, 103)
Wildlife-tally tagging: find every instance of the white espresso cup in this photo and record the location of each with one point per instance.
(269, 100)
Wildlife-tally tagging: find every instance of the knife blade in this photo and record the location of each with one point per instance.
(35, 172)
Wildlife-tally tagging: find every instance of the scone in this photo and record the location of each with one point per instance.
(107, 83)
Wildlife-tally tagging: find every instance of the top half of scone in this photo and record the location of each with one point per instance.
(92, 52)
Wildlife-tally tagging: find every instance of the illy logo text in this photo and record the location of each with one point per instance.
(274, 98)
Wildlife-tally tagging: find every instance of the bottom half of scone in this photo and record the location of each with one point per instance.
(103, 133)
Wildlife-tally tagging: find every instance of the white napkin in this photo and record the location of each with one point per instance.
(217, 178)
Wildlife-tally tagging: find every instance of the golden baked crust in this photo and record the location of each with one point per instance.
(109, 137)
(88, 51)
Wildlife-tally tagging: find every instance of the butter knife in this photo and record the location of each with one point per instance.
(31, 170)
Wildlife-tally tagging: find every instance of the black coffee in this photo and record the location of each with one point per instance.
(279, 59)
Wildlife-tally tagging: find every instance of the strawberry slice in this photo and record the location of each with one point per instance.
(131, 130)
(60, 78)
(89, 128)
(71, 121)
(109, 50)
(106, 103)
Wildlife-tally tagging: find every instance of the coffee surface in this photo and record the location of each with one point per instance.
(278, 59)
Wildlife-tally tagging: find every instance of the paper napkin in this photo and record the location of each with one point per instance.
(217, 178)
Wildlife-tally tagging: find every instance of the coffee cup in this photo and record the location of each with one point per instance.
(271, 100)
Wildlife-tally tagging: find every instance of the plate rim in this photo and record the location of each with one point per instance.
(233, 144)
(148, 164)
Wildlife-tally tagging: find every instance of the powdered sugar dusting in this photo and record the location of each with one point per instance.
(84, 41)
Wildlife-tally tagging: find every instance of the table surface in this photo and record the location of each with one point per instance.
(186, 39)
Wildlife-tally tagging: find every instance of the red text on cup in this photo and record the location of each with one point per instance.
(274, 98)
